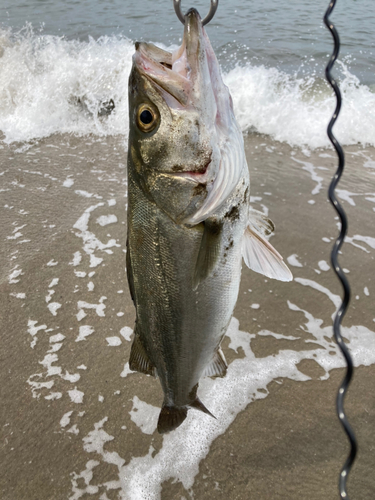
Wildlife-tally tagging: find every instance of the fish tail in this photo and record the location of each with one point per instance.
(170, 418)
(198, 405)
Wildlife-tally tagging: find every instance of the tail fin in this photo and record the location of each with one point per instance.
(198, 405)
(170, 418)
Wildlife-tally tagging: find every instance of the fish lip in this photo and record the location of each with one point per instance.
(157, 65)
(199, 176)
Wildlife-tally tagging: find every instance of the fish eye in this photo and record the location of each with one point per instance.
(147, 118)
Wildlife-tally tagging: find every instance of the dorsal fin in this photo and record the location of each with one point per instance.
(209, 251)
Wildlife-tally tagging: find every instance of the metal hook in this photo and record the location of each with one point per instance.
(206, 20)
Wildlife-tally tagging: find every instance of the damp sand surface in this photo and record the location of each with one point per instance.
(76, 423)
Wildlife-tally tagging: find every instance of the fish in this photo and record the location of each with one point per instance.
(189, 221)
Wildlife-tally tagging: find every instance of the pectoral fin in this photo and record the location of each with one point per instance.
(261, 222)
(139, 361)
(209, 251)
(260, 256)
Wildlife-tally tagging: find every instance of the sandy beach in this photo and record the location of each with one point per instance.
(76, 423)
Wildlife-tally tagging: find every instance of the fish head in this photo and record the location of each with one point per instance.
(181, 126)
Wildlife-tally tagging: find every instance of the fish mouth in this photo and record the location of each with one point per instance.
(174, 73)
(198, 176)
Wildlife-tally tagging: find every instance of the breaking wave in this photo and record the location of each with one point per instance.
(49, 85)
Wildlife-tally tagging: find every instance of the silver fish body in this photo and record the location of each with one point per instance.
(188, 212)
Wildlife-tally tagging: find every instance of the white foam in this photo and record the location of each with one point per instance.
(99, 308)
(80, 274)
(104, 220)
(86, 194)
(59, 337)
(65, 420)
(126, 371)
(54, 282)
(53, 395)
(49, 295)
(73, 430)
(15, 272)
(144, 415)
(33, 330)
(126, 332)
(113, 341)
(76, 396)
(91, 242)
(68, 183)
(309, 167)
(53, 307)
(52, 263)
(53, 85)
(357, 237)
(323, 265)
(19, 295)
(293, 260)
(77, 257)
(294, 110)
(84, 331)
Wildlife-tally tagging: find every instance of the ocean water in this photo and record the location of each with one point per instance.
(60, 61)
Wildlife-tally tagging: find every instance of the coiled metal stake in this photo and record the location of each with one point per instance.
(206, 20)
(335, 264)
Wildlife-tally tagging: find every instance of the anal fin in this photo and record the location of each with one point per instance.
(139, 361)
(209, 251)
(217, 367)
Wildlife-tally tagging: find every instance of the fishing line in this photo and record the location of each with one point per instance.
(335, 264)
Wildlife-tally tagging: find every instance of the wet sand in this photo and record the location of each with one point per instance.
(65, 389)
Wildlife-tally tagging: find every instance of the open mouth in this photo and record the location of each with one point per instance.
(169, 78)
(173, 74)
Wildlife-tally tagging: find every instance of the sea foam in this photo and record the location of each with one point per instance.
(52, 85)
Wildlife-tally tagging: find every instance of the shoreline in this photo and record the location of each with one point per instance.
(64, 325)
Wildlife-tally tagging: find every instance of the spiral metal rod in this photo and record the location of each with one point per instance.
(335, 264)
(206, 20)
